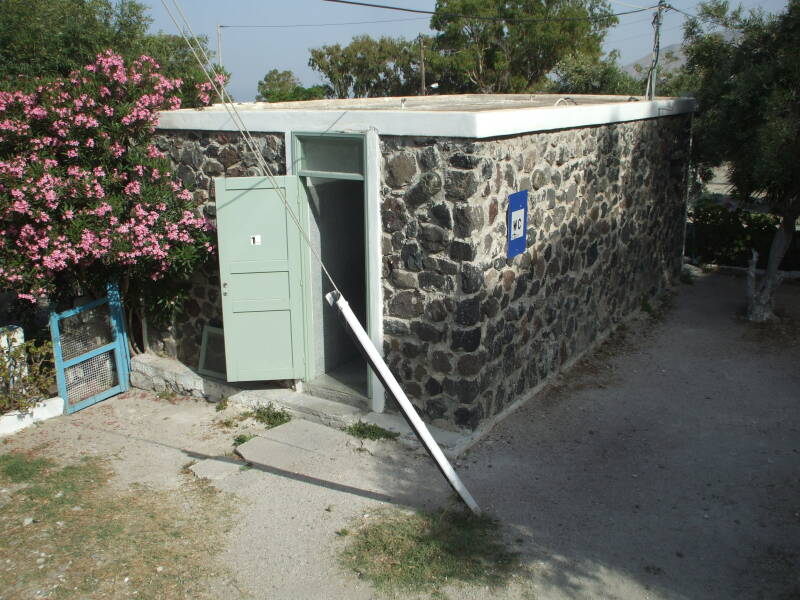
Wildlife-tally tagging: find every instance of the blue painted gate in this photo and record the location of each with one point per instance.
(90, 348)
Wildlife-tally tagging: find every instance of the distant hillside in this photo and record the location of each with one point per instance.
(644, 62)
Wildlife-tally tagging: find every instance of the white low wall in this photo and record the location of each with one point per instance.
(46, 409)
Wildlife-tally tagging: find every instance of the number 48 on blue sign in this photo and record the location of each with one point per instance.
(517, 222)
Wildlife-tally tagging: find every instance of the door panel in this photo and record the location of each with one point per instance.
(260, 274)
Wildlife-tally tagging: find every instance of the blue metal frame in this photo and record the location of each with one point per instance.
(119, 346)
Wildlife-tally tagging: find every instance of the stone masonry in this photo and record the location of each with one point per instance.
(467, 331)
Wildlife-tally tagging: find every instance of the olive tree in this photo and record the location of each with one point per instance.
(748, 118)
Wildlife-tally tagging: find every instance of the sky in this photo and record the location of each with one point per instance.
(248, 53)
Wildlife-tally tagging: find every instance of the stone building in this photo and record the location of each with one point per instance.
(407, 202)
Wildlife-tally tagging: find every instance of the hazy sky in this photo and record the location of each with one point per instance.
(249, 53)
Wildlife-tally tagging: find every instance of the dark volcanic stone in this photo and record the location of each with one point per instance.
(467, 219)
(433, 387)
(426, 332)
(462, 250)
(468, 312)
(406, 304)
(440, 361)
(591, 255)
(471, 278)
(460, 185)
(432, 237)
(468, 417)
(395, 327)
(464, 390)
(436, 311)
(466, 339)
(464, 161)
(471, 364)
(424, 190)
(400, 169)
(441, 215)
(411, 257)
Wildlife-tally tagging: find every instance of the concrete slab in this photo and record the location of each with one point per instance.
(322, 457)
(325, 412)
(452, 443)
(215, 469)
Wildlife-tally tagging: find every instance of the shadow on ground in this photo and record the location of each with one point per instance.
(669, 470)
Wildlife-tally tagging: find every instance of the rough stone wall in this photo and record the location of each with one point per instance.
(197, 158)
(468, 331)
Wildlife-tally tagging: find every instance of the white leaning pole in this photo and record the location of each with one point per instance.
(380, 368)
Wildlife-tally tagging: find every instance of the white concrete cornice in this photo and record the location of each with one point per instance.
(442, 121)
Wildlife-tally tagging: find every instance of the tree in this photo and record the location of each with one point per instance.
(52, 38)
(748, 117)
(581, 74)
(284, 86)
(86, 197)
(367, 67)
(516, 43)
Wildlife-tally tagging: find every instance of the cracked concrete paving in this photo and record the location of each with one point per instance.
(664, 466)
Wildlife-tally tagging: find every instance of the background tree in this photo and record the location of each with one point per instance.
(368, 67)
(515, 53)
(51, 38)
(748, 117)
(284, 86)
(582, 74)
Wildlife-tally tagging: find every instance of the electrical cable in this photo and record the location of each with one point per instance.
(371, 353)
(490, 18)
(230, 108)
(299, 25)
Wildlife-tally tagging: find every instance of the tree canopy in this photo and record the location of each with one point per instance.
(368, 67)
(509, 46)
(51, 38)
(501, 47)
(581, 74)
(284, 86)
(748, 113)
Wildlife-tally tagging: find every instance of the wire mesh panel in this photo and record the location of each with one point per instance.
(85, 331)
(90, 351)
(91, 377)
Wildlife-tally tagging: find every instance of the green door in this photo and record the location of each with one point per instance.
(260, 275)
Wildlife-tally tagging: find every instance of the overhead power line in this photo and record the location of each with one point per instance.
(491, 18)
(297, 25)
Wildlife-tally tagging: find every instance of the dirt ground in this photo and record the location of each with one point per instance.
(665, 466)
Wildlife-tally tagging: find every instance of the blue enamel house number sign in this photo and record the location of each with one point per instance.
(517, 222)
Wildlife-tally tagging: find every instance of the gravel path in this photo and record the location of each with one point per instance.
(665, 466)
(670, 469)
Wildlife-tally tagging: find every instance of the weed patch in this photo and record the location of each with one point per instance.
(69, 534)
(367, 431)
(18, 468)
(221, 405)
(242, 438)
(269, 415)
(423, 552)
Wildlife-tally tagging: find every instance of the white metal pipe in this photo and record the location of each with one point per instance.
(381, 369)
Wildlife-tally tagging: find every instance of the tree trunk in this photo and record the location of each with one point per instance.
(761, 295)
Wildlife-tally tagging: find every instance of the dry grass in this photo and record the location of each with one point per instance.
(68, 534)
(424, 552)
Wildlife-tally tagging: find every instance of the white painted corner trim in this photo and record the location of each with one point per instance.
(15, 420)
(412, 122)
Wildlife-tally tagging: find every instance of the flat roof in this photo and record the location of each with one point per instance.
(467, 116)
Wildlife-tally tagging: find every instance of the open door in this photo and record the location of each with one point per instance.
(260, 275)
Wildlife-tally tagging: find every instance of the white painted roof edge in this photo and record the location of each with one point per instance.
(462, 124)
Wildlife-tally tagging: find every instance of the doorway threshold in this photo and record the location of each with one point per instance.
(346, 383)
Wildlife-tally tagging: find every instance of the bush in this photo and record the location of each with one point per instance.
(723, 236)
(85, 195)
(26, 375)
